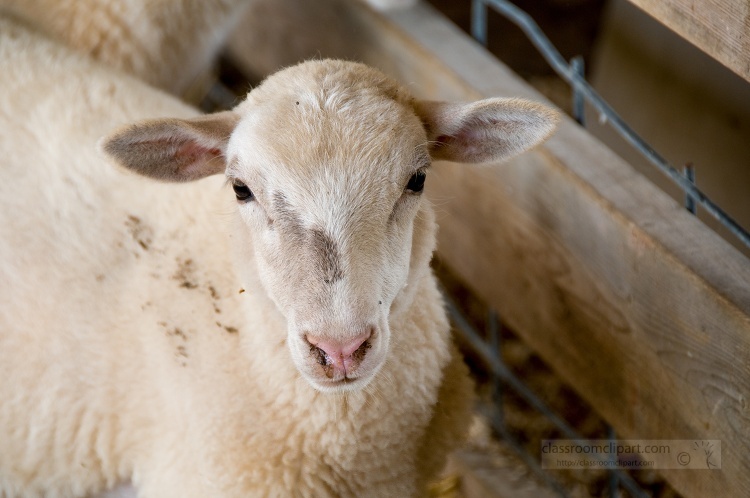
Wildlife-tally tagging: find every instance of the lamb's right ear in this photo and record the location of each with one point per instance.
(485, 131)
(176, 150)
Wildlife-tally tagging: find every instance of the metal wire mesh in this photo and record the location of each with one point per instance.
(502, 377)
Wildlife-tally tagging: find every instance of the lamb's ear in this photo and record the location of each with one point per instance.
(176, 150)
(485, 131)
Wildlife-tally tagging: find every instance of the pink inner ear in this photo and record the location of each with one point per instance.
(193, 161)
(190, 152)
(465, 144)
(469, 132)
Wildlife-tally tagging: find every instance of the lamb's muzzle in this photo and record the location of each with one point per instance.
(339, 358)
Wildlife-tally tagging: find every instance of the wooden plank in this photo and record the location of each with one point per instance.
(629, 298)
(721, 28)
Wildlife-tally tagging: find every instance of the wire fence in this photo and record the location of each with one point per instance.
(503, 377)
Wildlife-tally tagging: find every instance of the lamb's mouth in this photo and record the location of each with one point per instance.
(341, 385)
(345, 380)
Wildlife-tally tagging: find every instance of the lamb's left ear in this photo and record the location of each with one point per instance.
(485, 131)
(175, 150)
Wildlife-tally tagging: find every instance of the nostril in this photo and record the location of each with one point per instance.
(361, 351)
(320, 356)
(350, 347)
(341, 353)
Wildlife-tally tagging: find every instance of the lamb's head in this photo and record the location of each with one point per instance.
(328, 161)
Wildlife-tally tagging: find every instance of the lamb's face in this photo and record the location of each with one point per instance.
(328, 161)
(329, 186)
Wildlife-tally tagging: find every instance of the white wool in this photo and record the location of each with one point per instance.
(133, 349)
(166, 43)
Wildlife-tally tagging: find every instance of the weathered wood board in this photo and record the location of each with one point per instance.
(721, 28)
(632, 300)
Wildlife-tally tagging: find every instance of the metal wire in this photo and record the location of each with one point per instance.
(493, 414)
(606, 112)
(501, 371)
(689, 201)
(577, 65)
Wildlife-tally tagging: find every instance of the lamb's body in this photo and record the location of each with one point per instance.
(319, 364)
(126, 348)
(166, 43)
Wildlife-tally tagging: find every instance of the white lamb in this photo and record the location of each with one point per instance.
(167, 43)
(132, 350)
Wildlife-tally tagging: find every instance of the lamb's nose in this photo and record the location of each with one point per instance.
(343, 355)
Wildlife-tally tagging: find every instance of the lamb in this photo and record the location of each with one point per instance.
(166, 43)
(286, 339)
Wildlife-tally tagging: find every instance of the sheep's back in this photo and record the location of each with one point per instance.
(102, 295)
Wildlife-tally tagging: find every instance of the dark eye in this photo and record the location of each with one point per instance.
(242, 192)
(416, 182)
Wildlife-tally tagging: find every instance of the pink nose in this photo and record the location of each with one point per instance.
(338, 358)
